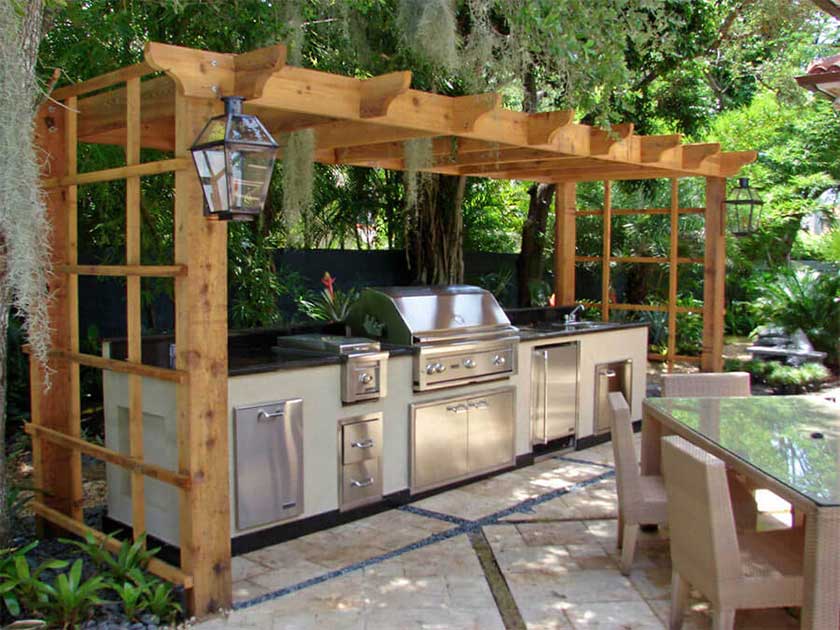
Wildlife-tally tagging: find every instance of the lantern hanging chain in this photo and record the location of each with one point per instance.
(24, 226)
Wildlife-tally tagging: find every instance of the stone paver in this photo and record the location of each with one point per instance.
(403, 569)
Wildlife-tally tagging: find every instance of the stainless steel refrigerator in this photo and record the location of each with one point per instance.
(554, 392)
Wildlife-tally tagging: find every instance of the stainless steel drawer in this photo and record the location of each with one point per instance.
(361, 483)
(362, 440)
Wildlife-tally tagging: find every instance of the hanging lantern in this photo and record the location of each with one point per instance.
(743, 209)
(234, 155)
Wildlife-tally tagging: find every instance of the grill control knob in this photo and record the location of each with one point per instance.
(498, 360)
(365, 378)
(440, 367)
(469, 363)
(430, 368)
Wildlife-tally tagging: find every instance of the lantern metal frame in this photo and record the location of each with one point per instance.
(743, 209)
(228, 145)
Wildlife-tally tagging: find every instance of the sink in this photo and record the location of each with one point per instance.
(586, 324)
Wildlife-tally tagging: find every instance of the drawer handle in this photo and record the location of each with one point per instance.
(365, 444)
(265, 416)
(362, 484)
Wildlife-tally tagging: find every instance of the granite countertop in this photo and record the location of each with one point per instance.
(255, 351)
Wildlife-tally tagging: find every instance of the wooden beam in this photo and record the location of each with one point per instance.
(657, 148)
(121, 172)
(673, 272)
(714, 276)
(51, 462)
(104, 112)
(377, 93)
(695, 154)
(602, 141)
(731, 162)
(124, 367)
(155, 134)
(133, 306)
(74, 400)
(158, 567)
(131, 463)
(201, 330)
(146, 271)
(253, 69)
(544, 127)
(103, 81)
(342, 133)
(565, 207)
(467, 110)
(606, 249)
(197, 73)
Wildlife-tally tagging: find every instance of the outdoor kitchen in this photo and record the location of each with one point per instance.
(330, 426)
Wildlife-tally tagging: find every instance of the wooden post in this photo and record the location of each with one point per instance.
(714, 275)
(134, 327)
(606, 253)
(565, 206)
(201, 344)
(58, 469)
(673, 272)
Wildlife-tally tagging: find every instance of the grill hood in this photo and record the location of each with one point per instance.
(438, 314)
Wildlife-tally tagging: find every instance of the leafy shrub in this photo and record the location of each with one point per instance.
(784, 379)
(808, 300)
(19, 584)
(331, 304)
(131, 556)
(69, 600)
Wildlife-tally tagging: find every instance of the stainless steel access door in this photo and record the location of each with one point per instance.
(269, 462)
(438, 443)
(554, 392)
(616, 376)
(491, 426)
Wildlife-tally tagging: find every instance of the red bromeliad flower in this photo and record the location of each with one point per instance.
(328, 281)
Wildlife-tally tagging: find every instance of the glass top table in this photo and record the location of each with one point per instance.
(793, 439)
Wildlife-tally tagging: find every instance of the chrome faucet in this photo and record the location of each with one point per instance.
(571, 317)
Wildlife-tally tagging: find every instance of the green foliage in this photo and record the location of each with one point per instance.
(784, 379)
(331, 304)
(130, 557)
(132, 598)
(804, 299)
(16, 582)
(69, 600)
(156, 597)
(497, 282)
(418, 155)
(494, 211)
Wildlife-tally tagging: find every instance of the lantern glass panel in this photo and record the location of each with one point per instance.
(249, 169)
(210, 163)
(248, 129)
(214, 131)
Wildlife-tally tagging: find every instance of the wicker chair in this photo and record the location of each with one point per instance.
(641, 499)
(750, 570)
(705, 385)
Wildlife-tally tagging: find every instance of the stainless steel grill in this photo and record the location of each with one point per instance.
(461, 333)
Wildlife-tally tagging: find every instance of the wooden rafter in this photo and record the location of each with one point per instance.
(355, 119)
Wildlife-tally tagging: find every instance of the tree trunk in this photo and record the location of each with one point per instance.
(529, 264)
(5, 310)
(434, 232)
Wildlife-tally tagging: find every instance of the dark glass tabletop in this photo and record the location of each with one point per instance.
(794, 439)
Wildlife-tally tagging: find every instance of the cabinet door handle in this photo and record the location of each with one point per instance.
(265, 416)
(608, 373)
(362, 484)
(479, 404)
(363, 444)
(457, 408)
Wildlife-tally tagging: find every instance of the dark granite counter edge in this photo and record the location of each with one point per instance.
(317, 360)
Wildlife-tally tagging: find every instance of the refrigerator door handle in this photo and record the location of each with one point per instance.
(545, 398)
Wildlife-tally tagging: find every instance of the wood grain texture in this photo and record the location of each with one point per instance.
(201, 342)
(606, 252)
(565, 207)
(133, 306)
(714, 275)
(673, 272)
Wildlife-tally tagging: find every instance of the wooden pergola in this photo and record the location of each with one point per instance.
(356, 121)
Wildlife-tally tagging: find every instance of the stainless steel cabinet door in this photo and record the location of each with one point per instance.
(561, 390)
(269, 462)
(491, 422)
(439, 438)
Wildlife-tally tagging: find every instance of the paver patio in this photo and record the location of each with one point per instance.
(546, 534)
